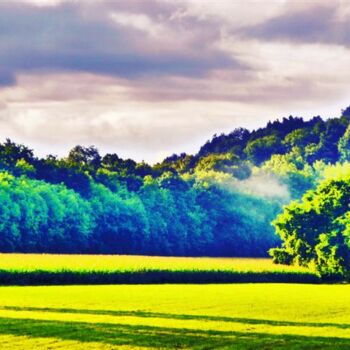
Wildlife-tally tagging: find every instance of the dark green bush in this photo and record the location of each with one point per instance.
(281, 256)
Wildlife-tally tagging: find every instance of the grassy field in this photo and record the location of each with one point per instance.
(38, 269)
(228, 316)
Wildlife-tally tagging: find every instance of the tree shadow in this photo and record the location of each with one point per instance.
(139, 313)
(163, 337)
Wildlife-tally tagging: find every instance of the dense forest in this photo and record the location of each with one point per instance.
(219, 202)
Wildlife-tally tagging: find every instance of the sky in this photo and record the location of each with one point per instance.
(149, 78)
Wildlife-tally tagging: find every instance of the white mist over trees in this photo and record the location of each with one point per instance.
(219, 202)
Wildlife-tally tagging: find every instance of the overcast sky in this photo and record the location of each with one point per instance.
(149, 78)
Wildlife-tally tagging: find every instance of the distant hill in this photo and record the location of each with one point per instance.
(218, 202)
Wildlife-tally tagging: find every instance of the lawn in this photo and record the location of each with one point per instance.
(39, 269)
(215, 316)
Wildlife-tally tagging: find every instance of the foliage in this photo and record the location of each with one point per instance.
(315, 230)
(217, 202)
(262, 149)
(344, 145)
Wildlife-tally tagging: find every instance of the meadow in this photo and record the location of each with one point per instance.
(43, 269)
(226, 316)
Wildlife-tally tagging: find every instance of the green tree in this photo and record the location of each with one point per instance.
(315, 231)
(344, 145)
(262, 149)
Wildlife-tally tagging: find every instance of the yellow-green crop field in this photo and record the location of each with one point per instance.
(214, 316)
(34, 269)
(110, 263)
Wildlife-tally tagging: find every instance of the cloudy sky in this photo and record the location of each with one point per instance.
(148, 78)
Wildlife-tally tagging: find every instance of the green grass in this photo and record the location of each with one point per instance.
(226, 316)
(44, 269)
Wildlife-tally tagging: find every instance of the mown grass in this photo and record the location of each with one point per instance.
(43, 269)
(230, 316)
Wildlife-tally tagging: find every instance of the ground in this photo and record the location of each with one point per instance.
(228, 316)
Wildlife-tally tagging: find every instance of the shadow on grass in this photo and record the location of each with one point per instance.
(252, 321)
(163, 337)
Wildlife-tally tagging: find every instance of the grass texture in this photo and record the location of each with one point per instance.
(226, 316)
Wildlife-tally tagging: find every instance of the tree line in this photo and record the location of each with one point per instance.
(162, 217)
(218, 202)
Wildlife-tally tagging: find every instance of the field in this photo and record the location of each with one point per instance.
(44, 269)
(229, 316)
(143, 315)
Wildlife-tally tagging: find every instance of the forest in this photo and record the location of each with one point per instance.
(291, 177)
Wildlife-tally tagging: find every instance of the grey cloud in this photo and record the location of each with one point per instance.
(7, 78)
(82, 38)
(83, 77)
(317, 24)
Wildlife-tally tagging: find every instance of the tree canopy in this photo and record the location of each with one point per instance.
(218, 202)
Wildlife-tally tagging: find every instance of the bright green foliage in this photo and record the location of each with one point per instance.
(344, 145)
(328, 146)
(166, 216)
(22, 167)
(315, 231)
(293, 170)
(36, 215)
(220, 201)
(299, 138)
(333, 250)
(262, 149)
(120, 224)
(227, 163)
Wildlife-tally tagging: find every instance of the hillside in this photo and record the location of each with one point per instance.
(219, 202)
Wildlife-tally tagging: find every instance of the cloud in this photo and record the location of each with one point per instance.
(144, 78)
(103, 38)
(53, 113)
(320, 23)
(7, 78)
